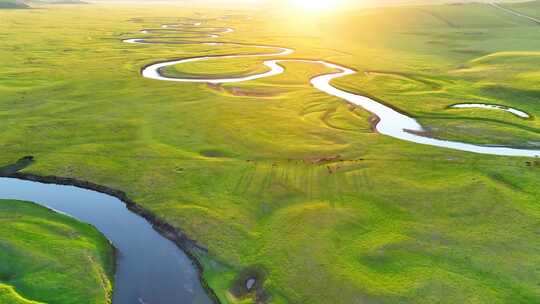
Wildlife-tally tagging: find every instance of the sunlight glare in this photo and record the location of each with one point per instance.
(316, 5)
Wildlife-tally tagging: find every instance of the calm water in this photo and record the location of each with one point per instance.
(150, 268)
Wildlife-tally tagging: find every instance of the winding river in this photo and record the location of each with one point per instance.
(516, 112)
(150, 268)
(391, 122)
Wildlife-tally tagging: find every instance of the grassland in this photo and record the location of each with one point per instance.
(385, 221)
(530, 8)
(51, 258)
(235, 67)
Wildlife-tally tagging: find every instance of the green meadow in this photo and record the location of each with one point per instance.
(51, 258)
(281, 180)
(528, 8)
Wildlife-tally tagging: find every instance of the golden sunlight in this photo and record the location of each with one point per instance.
(316, 5)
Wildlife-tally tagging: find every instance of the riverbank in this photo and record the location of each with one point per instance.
(166, 230)
(391, 122)
(237, 174)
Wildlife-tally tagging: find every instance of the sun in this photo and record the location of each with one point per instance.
(315, 5)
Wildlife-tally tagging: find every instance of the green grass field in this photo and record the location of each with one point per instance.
(385, 221)
(51, 258)
(530, 8)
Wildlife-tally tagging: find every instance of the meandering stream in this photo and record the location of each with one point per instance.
(150, 268)
(391, 122)
(516, 112)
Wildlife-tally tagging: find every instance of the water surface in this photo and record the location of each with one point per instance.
(150, 268)
(516, 112)
(391, 123)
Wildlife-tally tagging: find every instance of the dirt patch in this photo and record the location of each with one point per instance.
(373, 122)
(535, 163)
(213, 153)
(324, 160)
(249, 284)
(241, 92)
